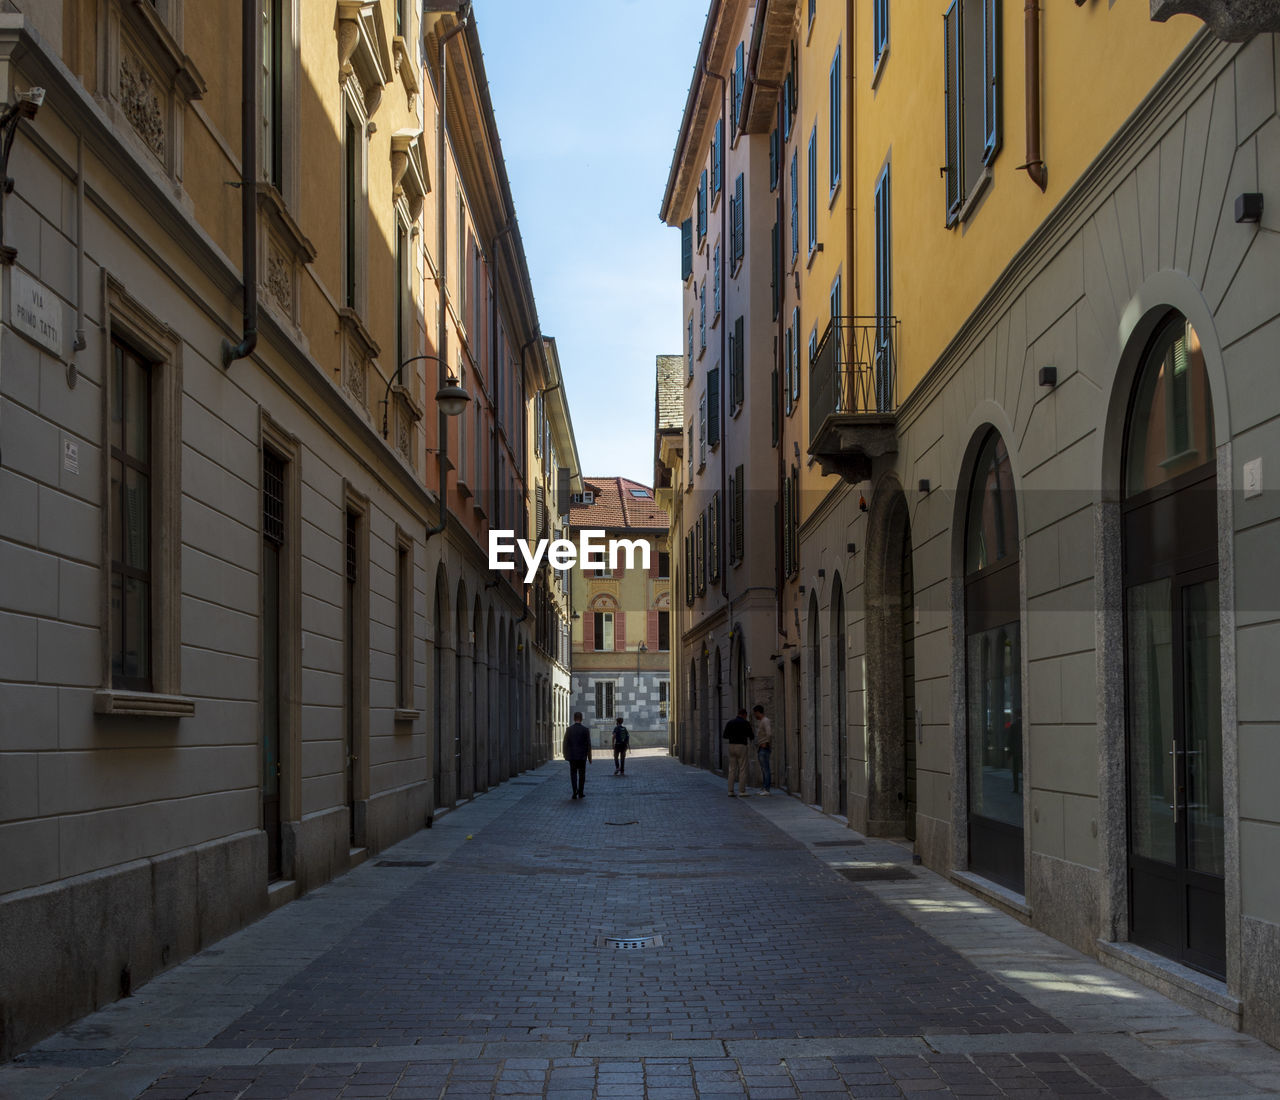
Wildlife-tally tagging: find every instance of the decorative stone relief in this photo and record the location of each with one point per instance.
(280, 277)
(141, 104)
(1230, 20)
(348, 39)
(354, 382)
(402, 435)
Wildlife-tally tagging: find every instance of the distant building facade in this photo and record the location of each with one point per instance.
(622, 627)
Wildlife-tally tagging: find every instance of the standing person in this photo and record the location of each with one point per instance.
(621, 742)
(577, 750)
(764, 747)
(738, 732)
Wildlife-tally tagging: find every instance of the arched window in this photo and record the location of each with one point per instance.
(993, 670)
(1172, 656)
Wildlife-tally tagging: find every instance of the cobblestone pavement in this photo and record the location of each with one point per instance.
(765, 951)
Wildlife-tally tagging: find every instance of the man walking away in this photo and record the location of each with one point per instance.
(621, 742)
(577, 750)
(764, 747)
(738, 732)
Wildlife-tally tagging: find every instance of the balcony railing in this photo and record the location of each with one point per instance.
(853, 394)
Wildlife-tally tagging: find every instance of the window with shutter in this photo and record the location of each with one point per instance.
(732, 349)
(835, 121)
(702, 317)
(733, 520)
(787, 339)
(717, 158)
(884, 294)
(737, 364)
(795, 358)
(739, 534)
(713, 406)
(775, 155)
(715, 312)
(690, 345)
(700, 553)
(971, 54)
(739, 75)
(688, 566)
(773, 406)
(879, 30)
(813, 188)
(702, 431)
(775, 262)
(702, 207)
(739, 221)
(786, 527)
(686, 249)
(795, 204)
(713, 535)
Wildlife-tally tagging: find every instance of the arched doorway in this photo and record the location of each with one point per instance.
(440, 626)
(1176, 859)
(839, 685)
(891, 697)
(814, 747)
(689, 722)
(461, 687)
(993, 670)
(480, 702)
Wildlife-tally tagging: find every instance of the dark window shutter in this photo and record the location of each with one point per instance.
(953, 85)
(990, 79)
(738, 390)
(713, 535)
(717, 156)
(739, 74)
(702, 315)
(775, 150)
(739, 535)
(813, 188)
(775, 261)
(880, 32)
(739, 231)
(773, 405)
(834, 142)
(702, 206)
(686, 248)
(713, 406)
(786, 527)
(716, 266)
(795, 205)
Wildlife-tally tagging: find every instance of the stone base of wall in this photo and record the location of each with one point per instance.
(1260, 978)
(393, 815)
(72, 947)
(1064, 901)
(933, 843)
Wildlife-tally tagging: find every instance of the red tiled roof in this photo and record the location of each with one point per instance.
(615, 506)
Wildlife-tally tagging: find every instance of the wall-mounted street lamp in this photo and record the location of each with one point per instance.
(450, 397)
(24, 105)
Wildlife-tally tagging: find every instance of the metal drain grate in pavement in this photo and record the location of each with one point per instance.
(876, 872)
(622, 823)
(630, 943)
(404, 863)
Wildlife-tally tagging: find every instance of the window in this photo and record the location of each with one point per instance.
(879, 30)
(713, 535)
(717, 159)
(737, 244)
(663, 689)
(404, 623)
(813, 189)
(715, 301)
(884, 295)
(835, 297)
(789, 101)
(352, 193)
(775, 157)
(664, 565)
(739, 509)
(702, 317)
(690, 345)
(702, 431)
(603, 631)
(813, 10)
(788, 552)
(273, 58)
(686, 249)
(788, 342)
(702, 207)
(795, 359)
(795, 204)
(713, 406)
(689, 454)
(641, 494)
(687, 564)
(464, 257)
(739, 80)
(604, 699)
(775, 258)
(971, 51)
(130, 512)
(813, 346)
(737, 356)
(700, 552)
(774, 420)
(835, 122)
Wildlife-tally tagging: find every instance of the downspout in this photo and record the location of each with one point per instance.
(248, 183)
(1035, 165)
(442, 270)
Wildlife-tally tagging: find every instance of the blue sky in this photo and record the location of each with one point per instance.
(588, 99)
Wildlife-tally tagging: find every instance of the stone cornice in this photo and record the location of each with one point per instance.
(1230, 20)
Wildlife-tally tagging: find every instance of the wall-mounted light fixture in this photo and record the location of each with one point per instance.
(821, 573)
(1249, 207)
(851, 548)
(924, 485)
(1048, 376)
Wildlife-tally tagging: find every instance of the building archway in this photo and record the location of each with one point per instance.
(461, 687)
(813, 749)
(892, 729)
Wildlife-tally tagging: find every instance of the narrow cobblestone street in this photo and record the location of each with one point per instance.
(780, 955)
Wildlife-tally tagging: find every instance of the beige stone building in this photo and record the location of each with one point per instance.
(247, 630)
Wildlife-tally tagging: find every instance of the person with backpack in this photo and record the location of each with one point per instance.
(621, 742)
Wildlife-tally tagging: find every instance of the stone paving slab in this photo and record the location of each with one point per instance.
(483, 974)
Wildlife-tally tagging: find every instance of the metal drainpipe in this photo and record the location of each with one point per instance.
(442, 269)
(248, 183)
(1035, 165)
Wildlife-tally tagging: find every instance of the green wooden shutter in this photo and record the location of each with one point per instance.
(990, 79)
(713, 406)
(773, 405)
(795, 205)
(775, 266)
(717, 156)
(786, 527)
(737, 363)
(686, 249)
(739, 535)
(739, 79)
(702, 206)
(834, 143)
(775, 154)
(739, 221)
(954, 108)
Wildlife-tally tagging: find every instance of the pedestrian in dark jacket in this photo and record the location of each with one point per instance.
(621, 742)
(577, 750)
(738, 732)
